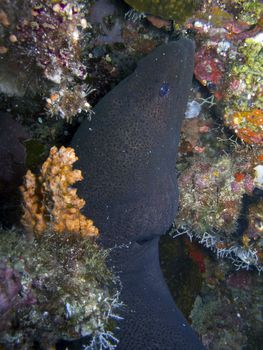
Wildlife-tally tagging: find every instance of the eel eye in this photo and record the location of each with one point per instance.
(164, 89)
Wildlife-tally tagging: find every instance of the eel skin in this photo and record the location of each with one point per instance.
(127, 154)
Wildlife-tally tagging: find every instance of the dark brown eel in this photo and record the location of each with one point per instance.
(127, 154)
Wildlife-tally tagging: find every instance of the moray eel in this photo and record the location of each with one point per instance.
(127, 154)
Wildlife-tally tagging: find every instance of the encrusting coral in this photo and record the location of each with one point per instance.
(50, 201)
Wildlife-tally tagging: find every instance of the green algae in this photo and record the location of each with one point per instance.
(177, 10)
(248, 70)
(251, 11)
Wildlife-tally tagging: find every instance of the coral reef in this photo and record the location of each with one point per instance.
(224, 314)
(244, 100)
(218, 181)
(233, 300)
(54, 282)
(209, 68)
(49, 199)
(247, 125)
(67, 101)
(55, 287)
(211, 207)
(212, 195)
(42, 39)
(248, 11)
(220, 177)
(50, 52)
(228, 62)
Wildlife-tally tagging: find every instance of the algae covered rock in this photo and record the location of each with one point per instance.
(177, 10)
(51, 288)
(40, 53)
(243, 100)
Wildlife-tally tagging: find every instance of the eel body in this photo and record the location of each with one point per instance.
(127, 154)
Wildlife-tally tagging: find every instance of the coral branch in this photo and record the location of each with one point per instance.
(50, 200)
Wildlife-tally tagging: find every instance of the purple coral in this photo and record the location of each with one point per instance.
(10, 286)
(13, 296)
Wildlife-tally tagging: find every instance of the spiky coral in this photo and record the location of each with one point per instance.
(67, 101)
(49, 199)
